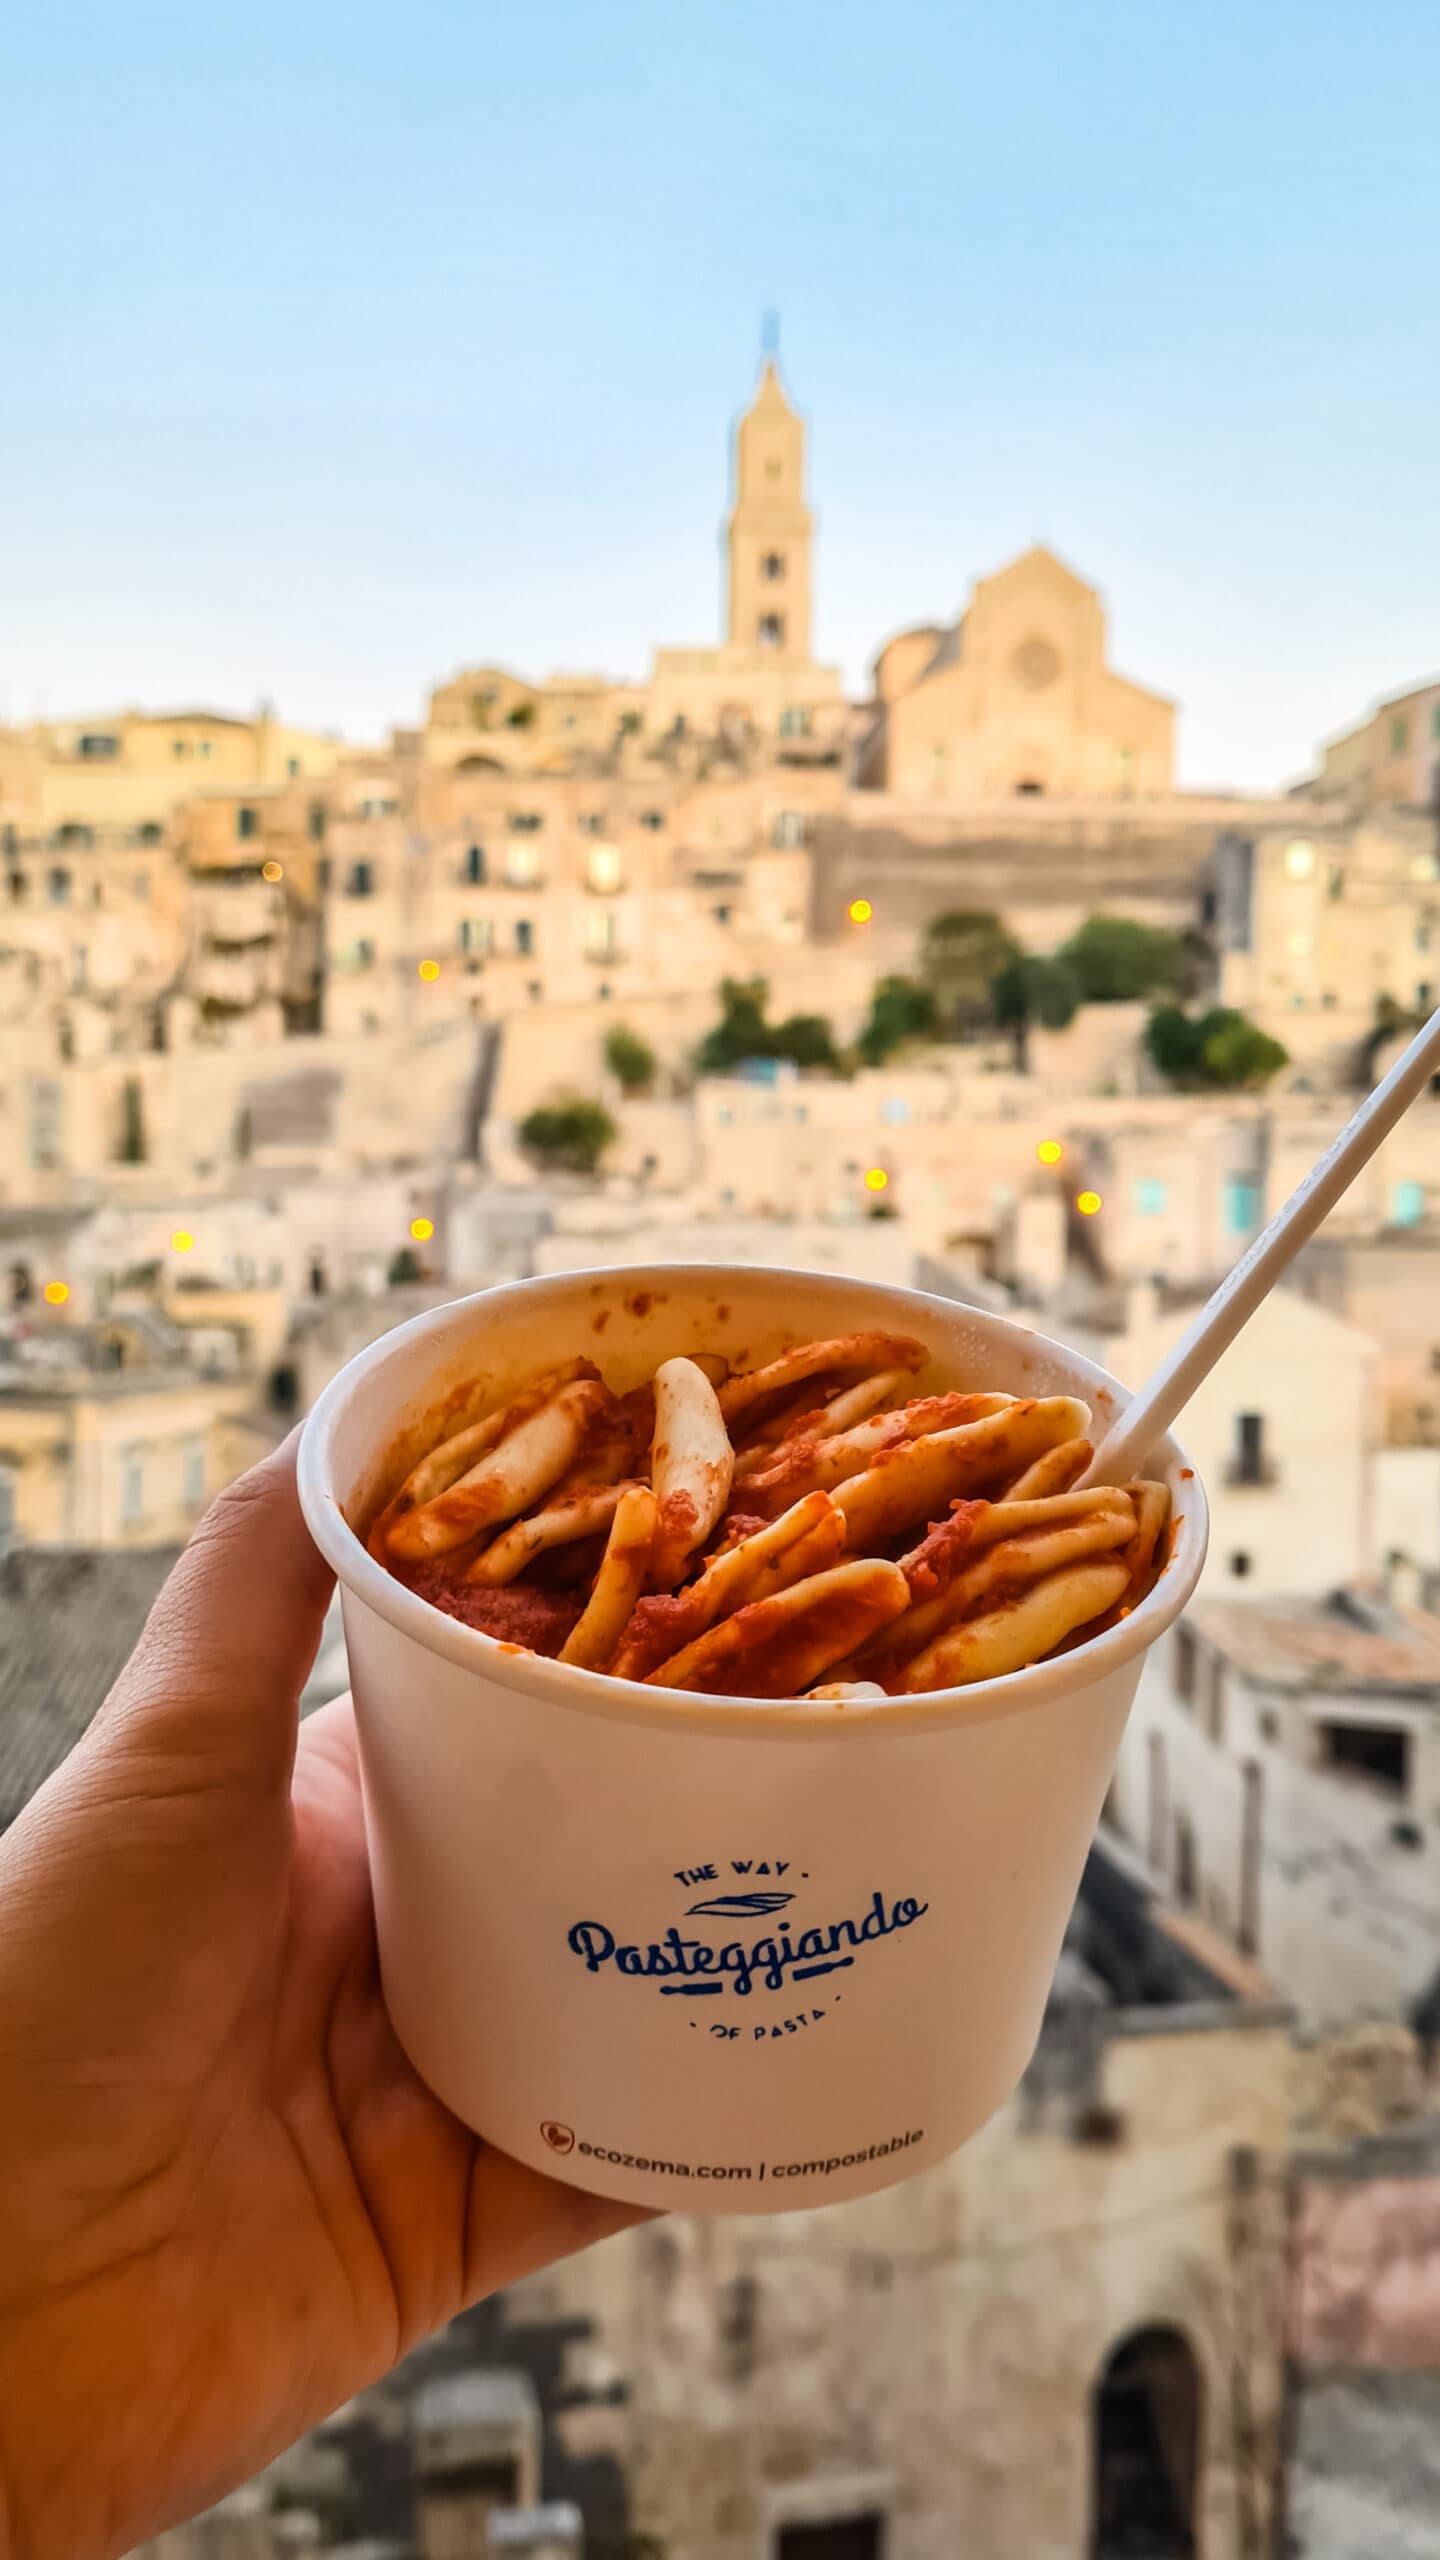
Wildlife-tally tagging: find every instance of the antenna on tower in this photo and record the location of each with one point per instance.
(770, 334)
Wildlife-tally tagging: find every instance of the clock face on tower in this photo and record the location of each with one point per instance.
(1036, 664)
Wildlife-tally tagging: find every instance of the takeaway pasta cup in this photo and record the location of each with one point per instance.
(738, 1667)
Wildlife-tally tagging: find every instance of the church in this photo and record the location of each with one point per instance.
(1017, 698)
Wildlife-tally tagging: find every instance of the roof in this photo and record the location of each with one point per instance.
(1349, 1640)
(68, 1619)
(480, 2398)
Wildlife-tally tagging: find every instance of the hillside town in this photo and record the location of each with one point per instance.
(950, 986)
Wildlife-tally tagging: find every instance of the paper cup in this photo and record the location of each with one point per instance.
(697, 1952)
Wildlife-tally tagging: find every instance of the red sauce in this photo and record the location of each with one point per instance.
(519, 1615)
(933, 1565)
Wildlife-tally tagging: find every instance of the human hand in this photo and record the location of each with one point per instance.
(226, 2200)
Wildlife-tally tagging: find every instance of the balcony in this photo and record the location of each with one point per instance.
(1241, 1472)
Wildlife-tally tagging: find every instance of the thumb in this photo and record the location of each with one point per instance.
(213, 1686)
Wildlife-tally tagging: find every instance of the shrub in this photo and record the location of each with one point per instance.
(1220, 1050)
(1114, 960)
(569, 1136)
(630, 1059)
(901, 1009)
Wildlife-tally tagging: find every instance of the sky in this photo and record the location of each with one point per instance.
(343, 347)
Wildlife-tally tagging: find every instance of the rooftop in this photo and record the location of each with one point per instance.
(68, 1619)
(1347, 1640)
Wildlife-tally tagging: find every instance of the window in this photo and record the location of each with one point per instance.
(1240, 1563)
(524, 937)
(1299, 861)
(602, 869)
(600, 933)
(1335, 881)
(322, 874)
(1151, 1196)
(795, 721)
(204, 747)
(57, 888)
(315, 821)
(132, 1488)
(1422, 995)
(247, 822)
(1407, 1203)
(194, 1475)
(1379, 1754)
(895, 1111)
(1241, 1204)
(591, 822)
(521, 867)
(360, 880)
(97, 746)
(1422, 937)
(771, 631)
(526, 822)
(1248, 1463)
(1186, 1656)
(364, 954)
(788, 827)
(1186, 1879)
(178, 747)
(772, 567)
(654, 819)
(477, 934)
(1399, 735)
(292, 767)
(836, 2538)
(79, 968)
(1252, 1836)
(45, 1124)
(475, 865)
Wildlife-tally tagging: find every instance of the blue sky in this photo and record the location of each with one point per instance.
(340, 346)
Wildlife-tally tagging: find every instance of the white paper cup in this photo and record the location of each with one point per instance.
(701, 1952)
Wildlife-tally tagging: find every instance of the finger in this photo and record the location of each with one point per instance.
(214, 1683)
(520, 2221)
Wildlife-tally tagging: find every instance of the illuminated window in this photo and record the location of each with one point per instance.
(600, 933)
(1299, 944)
(603, 869)
(1300, 861)
(521, 865)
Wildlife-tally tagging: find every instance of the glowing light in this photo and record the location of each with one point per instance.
(429, 971)
(182, 1241)
(422, 1229)
(1088, 1203)
(1049, 1151)
(861, 911)
(272, 871)
(55, 1293)
(877, 1179)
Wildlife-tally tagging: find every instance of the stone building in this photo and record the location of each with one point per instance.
(1017, 699)
(1391, 759)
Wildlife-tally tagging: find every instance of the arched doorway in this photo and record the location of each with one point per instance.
(1145, 2465)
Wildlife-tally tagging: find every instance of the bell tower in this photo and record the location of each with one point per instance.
(769, 531)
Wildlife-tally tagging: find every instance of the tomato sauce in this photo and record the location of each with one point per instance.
(516, 1613)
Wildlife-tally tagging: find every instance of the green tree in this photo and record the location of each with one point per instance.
(568, 1136)
(1219, 1051)
(901, 1009)
(744, 1031)
(630, 1059)
(134, 1147)
(1031, 989)
(807, 1038)
(1115, 960)
(404, 1267)
(961, 957)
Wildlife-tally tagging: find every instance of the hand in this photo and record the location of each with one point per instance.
(226, 2201)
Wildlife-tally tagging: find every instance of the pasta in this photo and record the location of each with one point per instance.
(806, 1527)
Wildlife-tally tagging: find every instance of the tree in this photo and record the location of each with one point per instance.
(134, 1148)
(901, 1009)
(1031, 989)
(568, 1136)
(1115, 960)
(630, 1059)
(1219, 1051)
(743, 1032)
(807, 1038)
(961, 957)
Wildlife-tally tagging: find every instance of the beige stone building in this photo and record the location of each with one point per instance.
(1320, 918)
(130, 769)
(1392, 758)
(1016, 699)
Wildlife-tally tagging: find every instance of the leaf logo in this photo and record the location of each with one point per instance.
(739, 1906)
